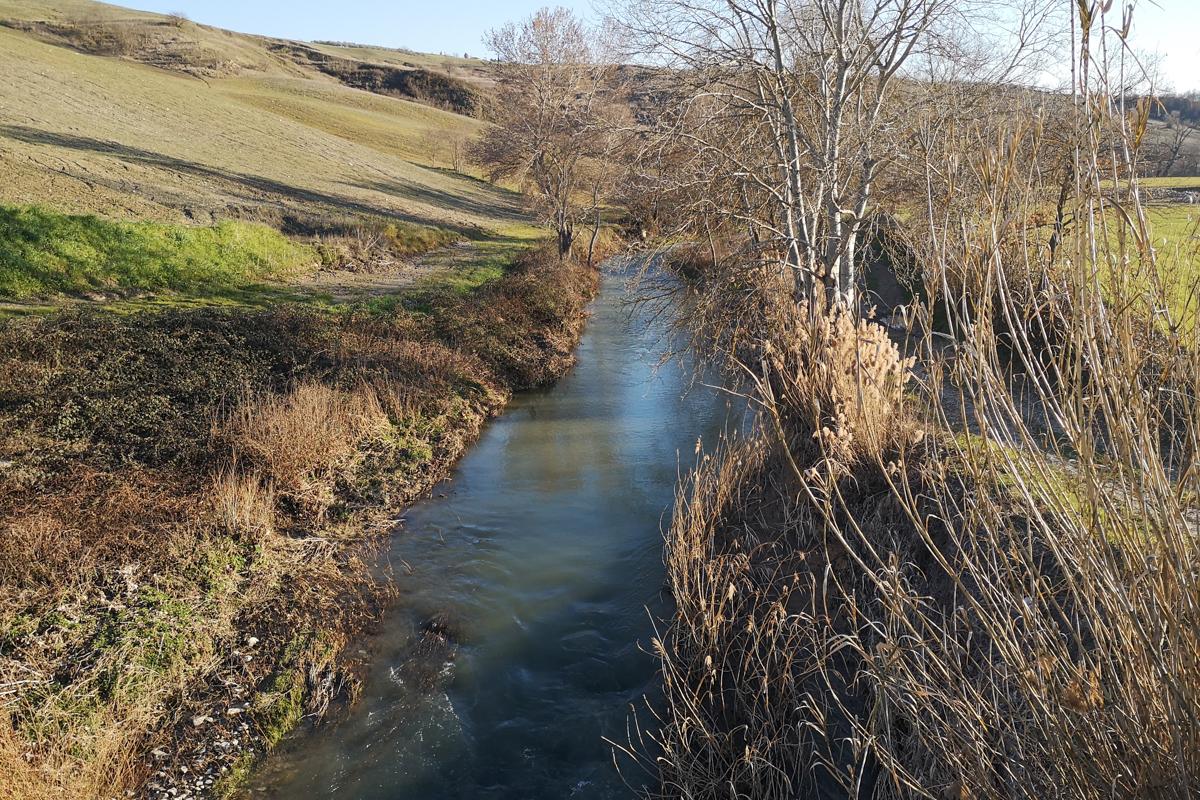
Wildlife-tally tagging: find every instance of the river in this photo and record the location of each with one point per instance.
(542, 560)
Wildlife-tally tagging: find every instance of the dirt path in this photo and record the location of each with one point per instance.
(345, 285)
(459, 261)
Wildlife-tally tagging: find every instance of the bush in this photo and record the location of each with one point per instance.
(301, 442)
(838, 385)
(103, 37)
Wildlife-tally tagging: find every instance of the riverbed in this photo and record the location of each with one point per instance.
(530, 586)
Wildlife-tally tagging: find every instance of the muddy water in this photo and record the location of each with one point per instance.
(543, 562)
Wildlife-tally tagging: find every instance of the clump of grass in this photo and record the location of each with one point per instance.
(243, 504)
(43, 252)
(300, 441)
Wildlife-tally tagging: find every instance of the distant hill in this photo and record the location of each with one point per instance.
(130, 114)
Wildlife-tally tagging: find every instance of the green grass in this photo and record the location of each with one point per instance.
(1174, 224)
(1172, 182)
(50, 261)
(1176, 182)
(1176, 240)
(43, 252)
(489, 260)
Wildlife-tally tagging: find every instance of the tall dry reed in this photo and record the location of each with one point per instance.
(984, 586)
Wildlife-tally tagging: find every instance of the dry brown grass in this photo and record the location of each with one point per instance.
(243, 504)
(104, 36)
(840, 382)
(302, 441)
(97, 636)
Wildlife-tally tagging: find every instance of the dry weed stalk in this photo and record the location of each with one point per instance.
(1009, 607)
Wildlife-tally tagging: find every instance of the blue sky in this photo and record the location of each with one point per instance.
(430, 26)
(1170, 27)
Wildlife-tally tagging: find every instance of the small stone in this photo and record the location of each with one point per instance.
(197, 721)
(233, 712)
(251, 641)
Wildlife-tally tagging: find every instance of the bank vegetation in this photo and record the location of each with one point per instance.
(194, 504)
(955, 555)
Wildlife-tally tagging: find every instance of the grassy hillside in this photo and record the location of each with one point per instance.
(394, 128)
(145, 133)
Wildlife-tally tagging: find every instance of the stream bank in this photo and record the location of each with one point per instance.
(194, 499)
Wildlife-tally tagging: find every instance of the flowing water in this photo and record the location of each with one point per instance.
(542, 559)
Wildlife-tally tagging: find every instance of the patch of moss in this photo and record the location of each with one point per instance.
(220, 566)
(280, 708)
(232, 782)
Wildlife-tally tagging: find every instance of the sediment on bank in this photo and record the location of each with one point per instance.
(193, 501)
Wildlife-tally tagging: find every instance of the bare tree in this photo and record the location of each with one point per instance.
(793, 104)
(546, 113)
(1180, 133)
(457, 153)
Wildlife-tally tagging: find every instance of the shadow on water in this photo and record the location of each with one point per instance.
(543, 565)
